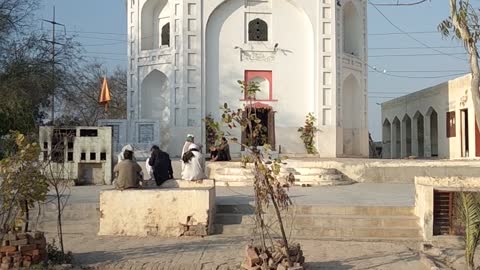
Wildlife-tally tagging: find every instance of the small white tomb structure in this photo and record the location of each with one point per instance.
(82, 154)
(308, 56)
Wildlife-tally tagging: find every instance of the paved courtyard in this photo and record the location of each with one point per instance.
(226, 252)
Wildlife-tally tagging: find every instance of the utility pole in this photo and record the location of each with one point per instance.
(53, 42)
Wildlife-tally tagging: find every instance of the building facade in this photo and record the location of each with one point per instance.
(81, 154)
(186, 56)
(437, 122)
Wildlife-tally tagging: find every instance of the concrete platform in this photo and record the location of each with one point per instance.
(181, 208)
(365, 170)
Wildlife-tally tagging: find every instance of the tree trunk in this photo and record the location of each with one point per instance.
(59, 219)
(461, 24)
(27, 216)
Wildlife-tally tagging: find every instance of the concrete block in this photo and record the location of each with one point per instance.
(157, 212)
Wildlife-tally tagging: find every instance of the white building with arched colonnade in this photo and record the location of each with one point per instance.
(436, 122)
(185, 57)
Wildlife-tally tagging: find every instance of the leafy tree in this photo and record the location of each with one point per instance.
(23, 183)
(463, 24)
(80, 96)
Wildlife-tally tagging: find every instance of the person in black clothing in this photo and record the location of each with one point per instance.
(162, 165)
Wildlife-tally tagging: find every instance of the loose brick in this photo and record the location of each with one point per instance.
(27, 247)
(39, 235)
(30, 253)
(21, 236)
(27, 258)
(252, 256)
(13, 254)
(19, 242)
(7, 249)
(36, 259)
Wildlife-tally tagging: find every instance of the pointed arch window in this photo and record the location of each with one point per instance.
(166, 34)
(257, 30)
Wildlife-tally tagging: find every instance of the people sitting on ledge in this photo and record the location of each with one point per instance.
(221, 152)
(161, 164)
(193, 164)
(129, 173)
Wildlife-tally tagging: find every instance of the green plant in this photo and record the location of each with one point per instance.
(213, 134)
(469, 208)
(308, 132)
(56, 256)
(268, 189)
(23, 182)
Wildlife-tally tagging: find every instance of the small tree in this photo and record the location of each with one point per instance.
(23, 183)
(308, 132)
(268, 188)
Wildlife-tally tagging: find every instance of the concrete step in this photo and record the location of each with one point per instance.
(335, 233)
(315, 171)
(327, 221)
(393, 211)
(234, 178)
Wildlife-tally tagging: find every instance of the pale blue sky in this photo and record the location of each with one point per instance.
(85, 17)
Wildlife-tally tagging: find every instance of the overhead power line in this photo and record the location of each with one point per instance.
(415, 54)
(412, 3)
(409, 35)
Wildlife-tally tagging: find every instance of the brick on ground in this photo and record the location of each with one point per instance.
(24, 248)
(19, 242)
(8, 249)
(251, 256)
(30, 253)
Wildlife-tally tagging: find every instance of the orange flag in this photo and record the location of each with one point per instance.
(105, 96)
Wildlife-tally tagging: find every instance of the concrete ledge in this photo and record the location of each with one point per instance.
(424, 191)
(186, 210)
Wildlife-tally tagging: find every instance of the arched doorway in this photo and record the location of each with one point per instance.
(396, 142)
(266, 135)
(386, 140)
(352, 30)
(406, 136)
(420, 134)
(352, 112)
(433, 117)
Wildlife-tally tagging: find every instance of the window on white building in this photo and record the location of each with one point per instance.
(257, 30)
(166, 35)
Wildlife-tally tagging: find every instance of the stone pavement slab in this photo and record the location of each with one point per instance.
(217, 252)
(361, 194)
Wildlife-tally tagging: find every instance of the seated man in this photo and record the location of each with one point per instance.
(193, 164)
(129, 173)
(223, 151)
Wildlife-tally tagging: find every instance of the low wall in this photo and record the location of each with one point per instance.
(180, 208)
(424, 189)
(375, 170)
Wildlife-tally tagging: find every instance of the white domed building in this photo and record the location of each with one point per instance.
(185, 57)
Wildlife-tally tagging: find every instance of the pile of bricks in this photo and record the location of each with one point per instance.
(274, 258)
(22, 250)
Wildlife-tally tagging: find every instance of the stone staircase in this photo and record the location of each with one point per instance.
(232, 174)
(360, 223)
